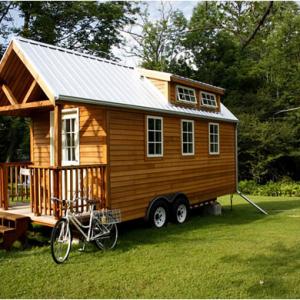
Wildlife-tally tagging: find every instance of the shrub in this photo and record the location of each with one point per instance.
(285, 187)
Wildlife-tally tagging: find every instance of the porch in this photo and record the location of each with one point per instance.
(27, 189)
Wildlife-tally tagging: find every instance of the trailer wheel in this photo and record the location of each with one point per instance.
(159, 214)
(180, 210)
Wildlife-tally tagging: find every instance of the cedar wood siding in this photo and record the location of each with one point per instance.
(135, 179)
(93, 145)
(40, 139)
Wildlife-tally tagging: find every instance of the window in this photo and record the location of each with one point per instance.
(208, 99)
(154, 136)
(187, 137)
(185, 94)
(70, 137)
(213, 138)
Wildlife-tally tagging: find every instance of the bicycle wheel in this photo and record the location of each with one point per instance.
(108, 235)
(61, 241)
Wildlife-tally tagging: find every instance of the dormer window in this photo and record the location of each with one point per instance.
(185, 94)
(208, 99)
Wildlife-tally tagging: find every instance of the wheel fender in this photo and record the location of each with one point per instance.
(159, 198)
(179, 195)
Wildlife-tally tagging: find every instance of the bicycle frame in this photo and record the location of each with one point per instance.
(71, 218)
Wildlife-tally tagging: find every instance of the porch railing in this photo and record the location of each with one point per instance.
(84, 181)
(14, 186)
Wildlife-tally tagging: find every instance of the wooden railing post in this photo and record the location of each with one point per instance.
(4, 187)
(56, 193)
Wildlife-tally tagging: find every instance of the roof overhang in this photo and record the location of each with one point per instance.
(213, 116)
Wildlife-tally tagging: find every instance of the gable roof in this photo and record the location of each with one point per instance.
(74, 76)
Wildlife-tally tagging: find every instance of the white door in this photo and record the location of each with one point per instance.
(70, 147)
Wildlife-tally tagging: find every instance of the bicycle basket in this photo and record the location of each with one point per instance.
(109, 216)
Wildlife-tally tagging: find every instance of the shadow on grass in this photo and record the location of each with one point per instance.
(273, 270)
(135, 233)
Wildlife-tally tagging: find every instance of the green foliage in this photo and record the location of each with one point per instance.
(285, 187)
(89, 26)
(260, 73)
(160, 42)
(14, 137)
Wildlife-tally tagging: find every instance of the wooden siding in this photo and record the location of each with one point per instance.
(40, 138)
(92, 137)
(93, 144)
(161, 85)
(135, 179)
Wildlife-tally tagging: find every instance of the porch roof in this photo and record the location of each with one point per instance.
(73, 76)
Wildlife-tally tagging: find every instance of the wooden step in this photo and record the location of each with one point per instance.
(4, 229)
(13, 227)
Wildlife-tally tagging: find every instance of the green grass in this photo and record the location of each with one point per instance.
(241, 254)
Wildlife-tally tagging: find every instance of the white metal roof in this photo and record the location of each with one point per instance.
(79, 77)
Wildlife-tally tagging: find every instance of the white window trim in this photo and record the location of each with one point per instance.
(208, 105)
(162, 136)
(68, 114)
(51, 134)
(218, 125)
(187, 88)
(193, 140)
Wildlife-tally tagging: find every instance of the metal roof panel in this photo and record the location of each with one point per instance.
(72, 75)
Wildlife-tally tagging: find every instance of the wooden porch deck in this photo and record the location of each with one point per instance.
(27, 190)
(25, 210)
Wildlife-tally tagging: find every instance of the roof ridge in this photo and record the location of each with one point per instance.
(69, 51)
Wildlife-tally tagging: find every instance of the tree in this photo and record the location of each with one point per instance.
(158, 44)
(89, 26)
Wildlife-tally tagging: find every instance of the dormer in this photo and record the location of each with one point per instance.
(185, 92)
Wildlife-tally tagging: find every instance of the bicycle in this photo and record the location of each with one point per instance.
(101, 229)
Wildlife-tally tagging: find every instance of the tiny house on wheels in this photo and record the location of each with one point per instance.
(149, 143)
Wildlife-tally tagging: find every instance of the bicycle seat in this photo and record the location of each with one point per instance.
(92, 201)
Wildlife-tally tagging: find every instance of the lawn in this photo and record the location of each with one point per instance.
(241, 254)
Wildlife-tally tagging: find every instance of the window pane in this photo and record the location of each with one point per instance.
(184, 137)
(190, 137)
(151, 148)
(158, 124)
(158, 136)
(158, 148)
(151, 136)
(190, 148)
(151, 124)
(185, 148)
(73, 154)
(67, 125)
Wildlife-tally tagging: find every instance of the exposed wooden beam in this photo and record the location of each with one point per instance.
(30, 91)
(5, 57)
(30, 105)
(8, 93)
(34, 73)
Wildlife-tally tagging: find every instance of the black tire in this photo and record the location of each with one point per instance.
(180, 210)
(159, 214)
(109, 235)
(61, 240)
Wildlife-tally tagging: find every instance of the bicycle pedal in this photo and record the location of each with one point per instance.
(82, 249)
